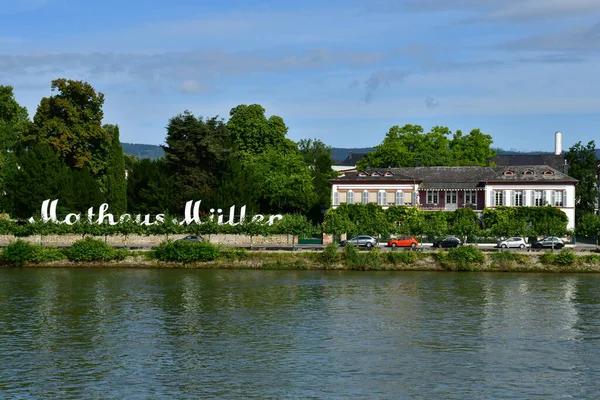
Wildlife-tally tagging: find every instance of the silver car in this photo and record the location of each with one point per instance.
(361, 241)
(513, 242)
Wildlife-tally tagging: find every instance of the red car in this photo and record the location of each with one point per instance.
(404, 241)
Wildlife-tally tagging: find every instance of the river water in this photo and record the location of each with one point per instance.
(188, 334)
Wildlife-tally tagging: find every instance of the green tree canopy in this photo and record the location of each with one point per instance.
(286, 184)
(71, 123)
(253, 132)
(317, 156)
(582, 166)
(408, 145)
(115, 181)
(14, 119)
(196, 154)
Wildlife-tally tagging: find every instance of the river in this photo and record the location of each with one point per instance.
(189, 334)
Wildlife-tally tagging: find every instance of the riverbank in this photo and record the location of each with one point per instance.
(553, 262)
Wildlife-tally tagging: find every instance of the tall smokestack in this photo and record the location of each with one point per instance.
(557, 143)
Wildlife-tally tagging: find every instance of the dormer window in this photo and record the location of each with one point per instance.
(508, 173)
(548, 173)
(362, 174)
(375, 173)
(528, 172)
(388, 173)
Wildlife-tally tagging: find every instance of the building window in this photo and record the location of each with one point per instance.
(365, 197)
(470, 197)
(508, 173)
(518, 198)
(399, 197)
(498, 197)
(350, 197)
(558, 198)
(336, 198)
(451, 197)
(432, 197)
(382, 198)
(538, 198)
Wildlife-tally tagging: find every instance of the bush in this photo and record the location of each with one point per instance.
(330, 254)
(590, 259)
(233, 254)
(351, 254)
(507, 257)
(405, 257)
(90, 249)
(563, 257)
(464, 258)
(20, 252)
(186, 251)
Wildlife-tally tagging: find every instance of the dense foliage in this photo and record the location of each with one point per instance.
(186, 251)
(407, 146)
(90, 249)
(582, 166)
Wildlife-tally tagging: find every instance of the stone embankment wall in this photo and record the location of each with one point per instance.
(155, 240)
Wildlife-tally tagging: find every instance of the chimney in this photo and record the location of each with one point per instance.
(566, 168)
(488, 162)
(417, 162)
(557, 144)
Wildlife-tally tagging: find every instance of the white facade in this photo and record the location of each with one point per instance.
(558, 195)
(382, 194)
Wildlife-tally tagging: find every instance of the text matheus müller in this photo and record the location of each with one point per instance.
(192, 215)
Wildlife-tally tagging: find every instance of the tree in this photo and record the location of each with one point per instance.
(150, 190)
(238, 186)
(286, 183)
(295, 225)
(464, 223)
(589, 225)
(253, 133)
(38, 175)
(195, 154)
(472, 149)
(79, 191)
(317, 156)
(407, 145)
(14, 119)
(71, 123)
(336, 222)
(115, 181)
(582, 166)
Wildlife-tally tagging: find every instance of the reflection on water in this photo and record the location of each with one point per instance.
(112, 334)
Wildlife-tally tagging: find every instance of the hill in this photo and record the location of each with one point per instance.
(150, 151)
(338, 153)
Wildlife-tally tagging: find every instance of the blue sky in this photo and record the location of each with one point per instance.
(340, 71)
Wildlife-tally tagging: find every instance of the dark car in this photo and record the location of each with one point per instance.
(450, 241)
(361, 241)
(198, 239)
(551, 242)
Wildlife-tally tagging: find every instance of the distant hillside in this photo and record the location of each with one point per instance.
(150, 151)
(338, 154)
(154, 152)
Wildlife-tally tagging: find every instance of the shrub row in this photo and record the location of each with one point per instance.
(86, 250)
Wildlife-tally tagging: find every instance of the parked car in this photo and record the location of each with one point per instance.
(550, 242)
(192, 238)
(450, 241)
(403, 241)
(361, 241)
(513, 242)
